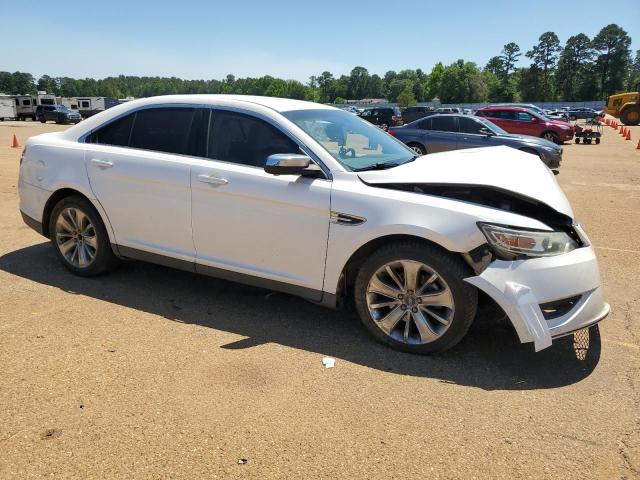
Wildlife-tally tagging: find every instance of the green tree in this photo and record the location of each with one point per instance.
(406, 98)
(544, 56)
(612, 49)
(23, 83)
(463, 82)
(358, 83)
(495, 65)
(434, 81)
(326, 84)
(573, 67)
(509, 56)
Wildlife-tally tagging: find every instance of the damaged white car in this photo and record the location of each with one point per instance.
(311, 200)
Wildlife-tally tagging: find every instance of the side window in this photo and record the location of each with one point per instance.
(506, 114)
(425, 124)
(444, 124)
(84, 104)
(523, 117)
(26, 101)
(115, 133)
(467, 125)
(162, 129)
(239, 138)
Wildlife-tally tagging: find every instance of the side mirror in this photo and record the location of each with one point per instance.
(487, 131)
(291, 164)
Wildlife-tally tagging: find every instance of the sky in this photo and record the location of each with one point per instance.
(287, 39)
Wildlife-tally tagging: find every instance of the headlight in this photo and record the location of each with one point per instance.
(510, 243)
(565, 127)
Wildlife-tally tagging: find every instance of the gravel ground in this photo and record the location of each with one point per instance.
(154, 373)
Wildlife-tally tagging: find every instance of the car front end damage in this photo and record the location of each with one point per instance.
(544, 297)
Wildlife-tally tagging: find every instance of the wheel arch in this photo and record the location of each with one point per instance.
(347, 276)
(70, 192)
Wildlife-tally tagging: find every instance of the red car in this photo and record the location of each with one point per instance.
(522, 121)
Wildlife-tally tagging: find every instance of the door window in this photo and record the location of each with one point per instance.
(244, 139)
(523, 117)
(162, 130)
(467, 125)
(115, 133)
(444, 124)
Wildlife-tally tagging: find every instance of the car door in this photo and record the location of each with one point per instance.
(140, 174)
(525, 124)
(442, 133)
(472, 134)
(253, 226)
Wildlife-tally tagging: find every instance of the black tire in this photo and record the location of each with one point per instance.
(577, 139)
(43, 120)
(416, 146)
(597, 141)
(631, 115)
(104, 259)
(587, 141)
(448, 266)
(551, 136)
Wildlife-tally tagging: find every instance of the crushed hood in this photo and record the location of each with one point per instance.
(501, 168)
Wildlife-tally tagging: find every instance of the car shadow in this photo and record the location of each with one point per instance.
(490, 357)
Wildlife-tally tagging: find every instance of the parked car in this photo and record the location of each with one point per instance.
(541, 112)
(56, 113)
(576, 113)
(556, 114)
(456, 132)
(310, 200)
(383, 117)
(415, 112)
(447, 110)
(523, 121)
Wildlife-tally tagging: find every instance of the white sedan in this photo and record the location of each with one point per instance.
(311, 200)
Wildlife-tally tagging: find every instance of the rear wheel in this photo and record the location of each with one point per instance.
(417, 148)
(412, 297)
(577, 139)
(597, 140)
(79, 237)
(551, 136)
(43, 120)
(630, 115)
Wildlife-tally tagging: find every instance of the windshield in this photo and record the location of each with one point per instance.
(355, 143)
(492, 126)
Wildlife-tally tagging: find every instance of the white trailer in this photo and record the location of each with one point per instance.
(88, 106)
(26, 104)
(7, 109)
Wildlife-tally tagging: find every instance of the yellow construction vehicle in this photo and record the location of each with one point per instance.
(625, 106)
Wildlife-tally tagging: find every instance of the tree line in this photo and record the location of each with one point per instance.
(581, 70)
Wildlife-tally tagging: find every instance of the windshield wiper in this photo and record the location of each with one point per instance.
(383, 165)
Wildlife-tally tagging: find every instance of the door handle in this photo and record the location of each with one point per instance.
(101, 163)
(212, 179)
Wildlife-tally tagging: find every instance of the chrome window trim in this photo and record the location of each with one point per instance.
(212, 108)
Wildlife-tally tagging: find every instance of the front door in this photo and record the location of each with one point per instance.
(248, 222)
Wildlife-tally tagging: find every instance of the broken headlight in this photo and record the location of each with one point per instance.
(510, 243)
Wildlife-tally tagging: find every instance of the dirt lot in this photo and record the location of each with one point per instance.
(155, 373)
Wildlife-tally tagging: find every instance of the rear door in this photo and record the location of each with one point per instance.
(139, 170)
(442, 133)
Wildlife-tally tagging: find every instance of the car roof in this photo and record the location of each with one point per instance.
(505, 107)
(274, 103)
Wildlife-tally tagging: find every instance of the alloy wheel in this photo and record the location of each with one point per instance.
(417, 150)
(410, 302)
(76, 237)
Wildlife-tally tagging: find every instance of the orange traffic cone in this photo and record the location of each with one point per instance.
(638, 147)
(15, 143)
(628, 134)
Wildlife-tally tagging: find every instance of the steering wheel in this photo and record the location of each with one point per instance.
(347, 152)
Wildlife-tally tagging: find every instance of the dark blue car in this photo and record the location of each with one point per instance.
(441, 133)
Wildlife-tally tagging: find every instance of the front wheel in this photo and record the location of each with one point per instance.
(79, 237)
(551, 136)
(412, 297)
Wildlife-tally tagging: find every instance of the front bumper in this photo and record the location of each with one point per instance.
(566, 135)
(523, 288)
